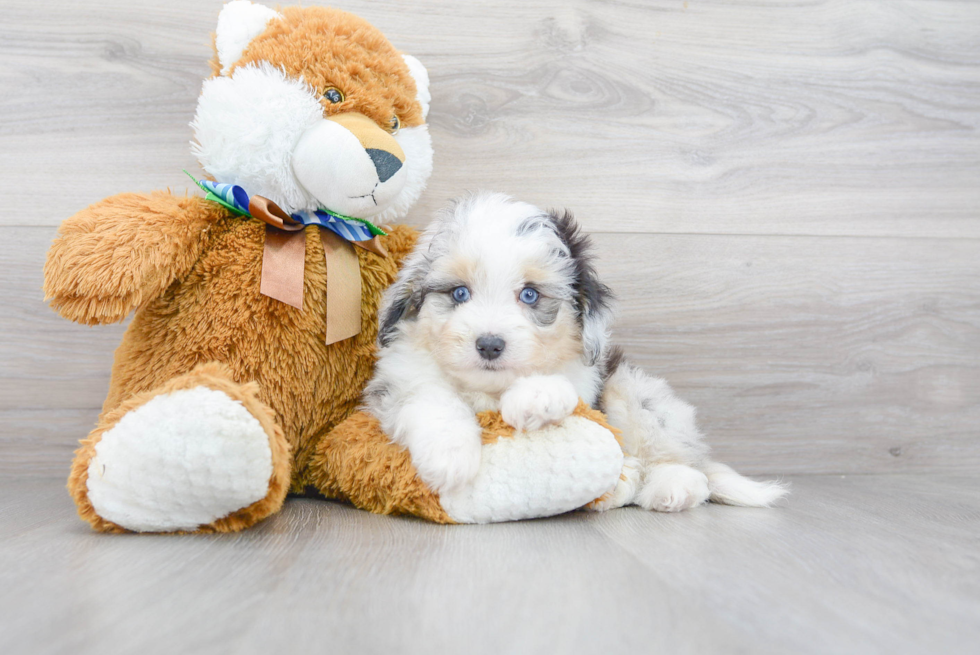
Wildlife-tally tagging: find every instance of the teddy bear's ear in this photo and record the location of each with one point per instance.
(239, 22)
(421, 77)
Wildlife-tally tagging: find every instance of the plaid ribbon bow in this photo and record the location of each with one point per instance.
(284, 253)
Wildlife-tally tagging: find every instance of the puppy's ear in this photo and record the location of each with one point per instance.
(403, 299)
(593, 299)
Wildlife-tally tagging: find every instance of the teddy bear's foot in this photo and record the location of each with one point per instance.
(203, 453)
(625, 491)
(182, 460)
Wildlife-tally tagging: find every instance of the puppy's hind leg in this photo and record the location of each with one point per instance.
(661, 430)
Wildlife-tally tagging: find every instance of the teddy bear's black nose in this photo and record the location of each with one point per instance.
(384, 162)
(490, 346)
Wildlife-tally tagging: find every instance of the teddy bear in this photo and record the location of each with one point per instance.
(239, 378)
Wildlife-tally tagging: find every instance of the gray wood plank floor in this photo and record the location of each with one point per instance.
(856, 564)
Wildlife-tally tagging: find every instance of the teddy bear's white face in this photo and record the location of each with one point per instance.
(267, 132)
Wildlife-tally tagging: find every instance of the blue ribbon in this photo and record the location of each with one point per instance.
(236, 199)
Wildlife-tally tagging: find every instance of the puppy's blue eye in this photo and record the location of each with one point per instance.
(461, 294)
(529, 296)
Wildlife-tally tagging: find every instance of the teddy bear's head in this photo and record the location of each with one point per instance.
(314, 108)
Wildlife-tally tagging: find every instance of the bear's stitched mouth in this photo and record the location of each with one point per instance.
(367, 195)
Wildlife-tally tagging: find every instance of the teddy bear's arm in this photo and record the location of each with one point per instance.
(122, 252)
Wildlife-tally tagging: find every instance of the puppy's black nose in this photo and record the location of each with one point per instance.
(490, 346)
(384, 162)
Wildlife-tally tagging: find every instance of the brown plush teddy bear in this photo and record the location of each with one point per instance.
(255, 324)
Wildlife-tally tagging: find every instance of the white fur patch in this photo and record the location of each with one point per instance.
(673, 488)
(239, 22)
(421, 77)
(730, 488)
(626, 488)
(180, 461)
(535, 401)
(529, 475)
(246, 128)
(331, 164)
(417, 144)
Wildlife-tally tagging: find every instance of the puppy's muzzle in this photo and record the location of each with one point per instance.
(490, 346)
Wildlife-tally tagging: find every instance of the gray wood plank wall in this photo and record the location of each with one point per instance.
(785, 195)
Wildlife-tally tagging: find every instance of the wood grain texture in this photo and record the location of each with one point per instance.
(811, 355)
(803, 355)
(783, 117)
(827, 573)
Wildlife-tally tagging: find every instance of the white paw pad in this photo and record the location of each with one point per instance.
(181, 460)
(673, 488)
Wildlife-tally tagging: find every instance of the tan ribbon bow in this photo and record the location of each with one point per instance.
(284, 261)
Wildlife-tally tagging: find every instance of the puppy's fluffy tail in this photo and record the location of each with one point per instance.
(730, 488)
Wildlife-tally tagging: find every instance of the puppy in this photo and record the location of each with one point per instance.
(500, 308)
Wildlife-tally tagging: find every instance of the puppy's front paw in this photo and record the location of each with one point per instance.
(538, 400)
(673, 488)
(448, 460)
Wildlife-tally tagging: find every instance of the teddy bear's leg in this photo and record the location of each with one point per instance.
(199, 453)
(625, 491)
(356, 462)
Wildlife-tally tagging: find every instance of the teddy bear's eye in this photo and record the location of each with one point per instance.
(395, 124)
(333, 95)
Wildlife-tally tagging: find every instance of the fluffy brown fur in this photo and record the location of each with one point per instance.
(123, 251)
(356, 462)
(333, 48)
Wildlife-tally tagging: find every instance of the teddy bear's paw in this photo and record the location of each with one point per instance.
(536, 401)
(180, 461)
(625, 490)
(673, 488)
